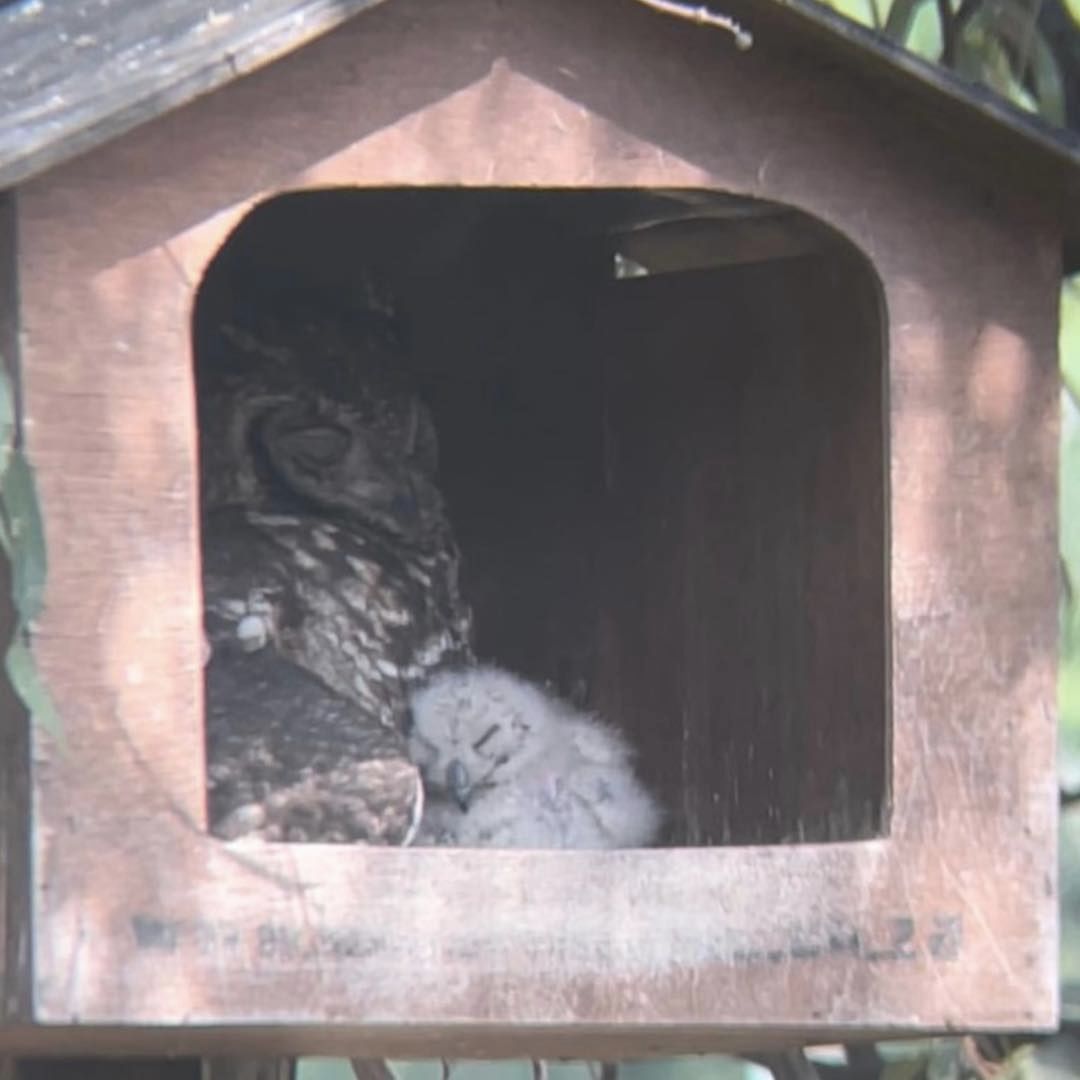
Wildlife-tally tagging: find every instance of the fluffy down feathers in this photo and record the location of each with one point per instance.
(507, 765)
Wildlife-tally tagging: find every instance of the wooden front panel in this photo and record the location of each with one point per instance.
(948, 922)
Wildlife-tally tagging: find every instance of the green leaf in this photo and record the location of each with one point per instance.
(924, 38)
(1069, 335)
(7, 418)
(1069, 536)
(5, 539)
(865, 12)
(26, 533)
(23, 673)
(915, 24)
(1069, 890)
(1056, 1058)
(1003, 48)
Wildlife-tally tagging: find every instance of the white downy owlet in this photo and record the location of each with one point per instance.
(508, 765)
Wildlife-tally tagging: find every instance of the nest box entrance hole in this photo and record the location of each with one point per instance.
(661, 435)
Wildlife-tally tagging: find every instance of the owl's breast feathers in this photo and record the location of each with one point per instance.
(318, 634)
(290, 760)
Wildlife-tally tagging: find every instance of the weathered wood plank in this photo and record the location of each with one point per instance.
(74, 75)
(105, 1069)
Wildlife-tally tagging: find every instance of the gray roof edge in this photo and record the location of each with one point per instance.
(40, 130)
(65, 89)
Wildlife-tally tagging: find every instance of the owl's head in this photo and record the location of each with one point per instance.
(368, 463)
(475, 729)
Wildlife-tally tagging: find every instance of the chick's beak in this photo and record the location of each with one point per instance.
(458, 784)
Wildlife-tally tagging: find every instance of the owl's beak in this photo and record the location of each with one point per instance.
(458, 783)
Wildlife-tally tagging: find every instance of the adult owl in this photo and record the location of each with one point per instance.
(330, 573)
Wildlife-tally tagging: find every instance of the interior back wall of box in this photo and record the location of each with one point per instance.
(668, 487)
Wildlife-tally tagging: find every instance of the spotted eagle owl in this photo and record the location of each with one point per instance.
(508, 765)
(330, 576)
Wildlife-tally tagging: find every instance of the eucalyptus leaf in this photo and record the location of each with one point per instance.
(26, 533)
(25, 680)
(866, 12)
(1069, 538)
(1003, 48)
(7, 418)
(1056, 1058)
(924, 38)
(1069, 889)
(1069, 336)
(915, 24)
(5, 538)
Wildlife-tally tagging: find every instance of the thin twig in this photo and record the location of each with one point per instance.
(948, 36)
(704, 17)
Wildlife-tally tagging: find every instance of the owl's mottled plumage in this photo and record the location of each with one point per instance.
(508, 765)
(288, 760)
(330, 577)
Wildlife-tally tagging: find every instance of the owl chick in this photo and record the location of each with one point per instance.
(507, 765)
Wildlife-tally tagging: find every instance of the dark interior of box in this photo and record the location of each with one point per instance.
(660, 418)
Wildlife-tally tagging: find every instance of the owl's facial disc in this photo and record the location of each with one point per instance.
(328, 453)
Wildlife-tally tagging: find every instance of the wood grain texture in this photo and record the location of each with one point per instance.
(185, 1068)
(98, 1069)
(744, 582)
(948, 922)
(76, 76)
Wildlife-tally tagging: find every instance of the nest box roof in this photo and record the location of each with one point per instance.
(75, 75)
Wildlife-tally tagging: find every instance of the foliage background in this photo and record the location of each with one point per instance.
(1025, 51)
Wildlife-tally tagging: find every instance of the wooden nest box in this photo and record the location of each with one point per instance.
(744, 372)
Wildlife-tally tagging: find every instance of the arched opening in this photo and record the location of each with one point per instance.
(659, 420)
